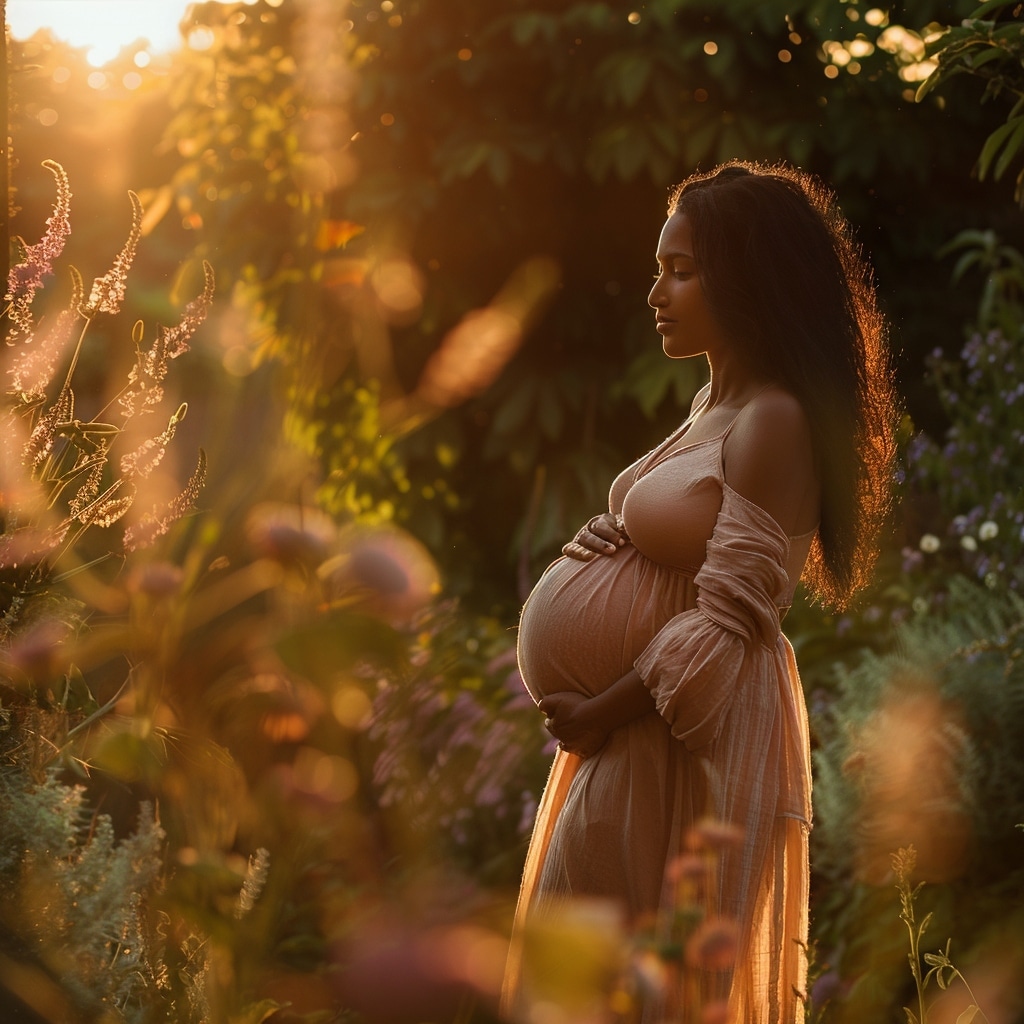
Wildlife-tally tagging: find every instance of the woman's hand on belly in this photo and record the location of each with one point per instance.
(603, 535)
(570, 720)
(582, 724)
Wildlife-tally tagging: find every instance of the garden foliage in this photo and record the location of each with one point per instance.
(251, 761)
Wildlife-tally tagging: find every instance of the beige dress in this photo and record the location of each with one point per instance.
(694, 603)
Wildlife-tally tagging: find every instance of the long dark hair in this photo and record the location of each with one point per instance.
(788, 285)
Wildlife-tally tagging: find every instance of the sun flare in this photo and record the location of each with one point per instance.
(103, 27)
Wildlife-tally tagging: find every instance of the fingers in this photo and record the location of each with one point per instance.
(603, 535)
(606, 527)
(578, 551)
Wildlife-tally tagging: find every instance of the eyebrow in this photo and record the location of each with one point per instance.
(665, 257)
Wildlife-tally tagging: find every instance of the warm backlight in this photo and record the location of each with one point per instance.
(101, 26)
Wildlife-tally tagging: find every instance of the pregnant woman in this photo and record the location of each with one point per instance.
(654, 647)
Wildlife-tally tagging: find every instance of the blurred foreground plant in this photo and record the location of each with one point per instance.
(273, 684)
(922, 748)
(941, 968)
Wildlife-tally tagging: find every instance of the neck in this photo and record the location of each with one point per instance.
(732, 383)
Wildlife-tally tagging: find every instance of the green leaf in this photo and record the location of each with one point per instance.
(256, 1013)
(936, 78)
(983, 58)
(1011, 149)
(990, 6)
(994, 142)
(966, 261)
(130, 758)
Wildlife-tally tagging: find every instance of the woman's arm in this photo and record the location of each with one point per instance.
(582, 724)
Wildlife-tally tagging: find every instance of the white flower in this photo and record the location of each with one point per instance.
(968, 543)
(988, 530)
(929, 543)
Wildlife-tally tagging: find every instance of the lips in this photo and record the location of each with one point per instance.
(663, 323)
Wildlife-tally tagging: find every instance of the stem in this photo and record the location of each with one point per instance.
(5, 165)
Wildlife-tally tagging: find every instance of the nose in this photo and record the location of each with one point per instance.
(655, 298)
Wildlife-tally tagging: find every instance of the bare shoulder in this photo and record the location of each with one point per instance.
(773, 418)
(769, 459)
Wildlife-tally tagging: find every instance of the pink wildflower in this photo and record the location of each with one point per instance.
(107, 292)
(25, 279)
(156, 579)
(150, 453)
(291, 533)
(144, 392)
(34, 366)
(715, 1013)
(711, 834)
(156, 523)
(713, 946)
(175, 339)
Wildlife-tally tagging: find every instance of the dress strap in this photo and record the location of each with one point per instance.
(739, 412)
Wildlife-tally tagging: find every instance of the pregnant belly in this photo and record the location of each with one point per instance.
(574, 627)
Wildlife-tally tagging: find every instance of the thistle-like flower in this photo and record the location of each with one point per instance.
(107, 292)
(26, 277)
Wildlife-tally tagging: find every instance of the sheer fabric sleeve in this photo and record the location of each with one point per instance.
(698, 662)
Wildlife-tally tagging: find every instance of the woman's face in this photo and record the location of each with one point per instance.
(684, 320)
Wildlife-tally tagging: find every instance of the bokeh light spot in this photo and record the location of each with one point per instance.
(711, 48)
(465, 53)
(387, 120)
(325, 775)
(399, 287)
(831, 71)
(142, 59)
(97, 80)
(853, 14)
(785, 56)
(633, 18)
(876, 17)
(700, 95)
(200, 38)
(47, 117)
(351, 707)
(132, 80)
(61, 75)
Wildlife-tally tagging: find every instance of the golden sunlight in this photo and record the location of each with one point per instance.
(103, 27)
